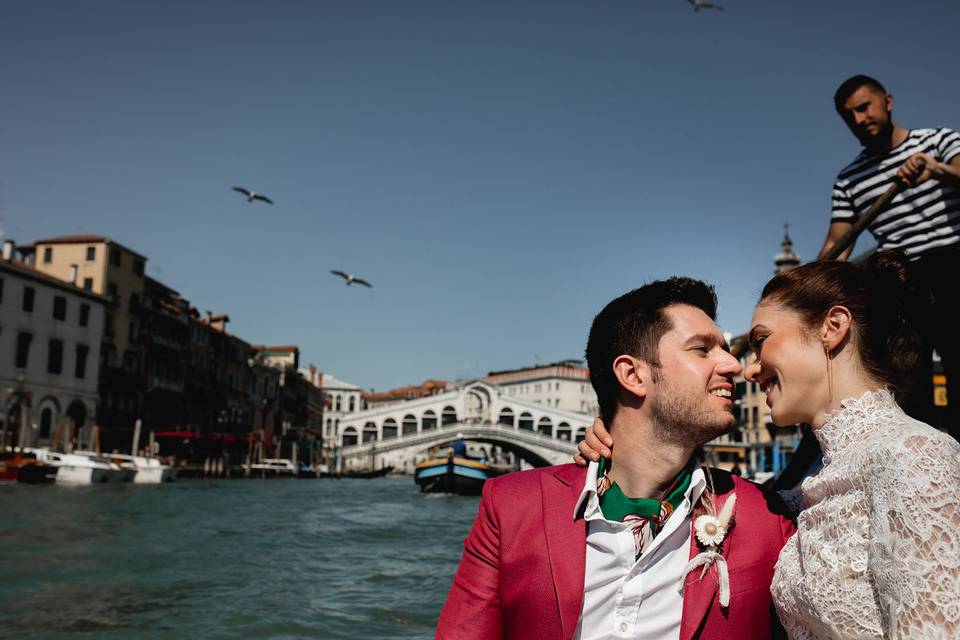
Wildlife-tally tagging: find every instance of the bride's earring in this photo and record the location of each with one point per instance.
(826, 352)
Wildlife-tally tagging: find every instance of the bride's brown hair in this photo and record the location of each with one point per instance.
(880, 301)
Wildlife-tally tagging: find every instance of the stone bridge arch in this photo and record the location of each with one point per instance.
(536, 433)
(536, 449)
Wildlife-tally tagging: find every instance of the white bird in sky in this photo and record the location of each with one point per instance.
(253, 195)
(351, 279)
(697, 5)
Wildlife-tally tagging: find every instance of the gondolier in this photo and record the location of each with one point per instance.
(922, 219)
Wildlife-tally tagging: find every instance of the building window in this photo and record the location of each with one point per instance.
(112, 291)
(23, 349)
(46, 421)
(448, 416)
(108, 324)
(84, 314)
(389, 428)
(59, 308)
(115, 257)
(526, 421)
(336, 403)
(88, 284)
(545, 426)
(47, 255)
(28, 295)
(138, 267)
(353, 403)
(55, 357)
(80, 371)
(349, 437)
(91, 254)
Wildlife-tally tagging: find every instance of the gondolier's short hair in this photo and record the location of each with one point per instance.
(849, 87)
(633, 325)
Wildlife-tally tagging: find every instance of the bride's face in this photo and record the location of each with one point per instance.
(789, 364)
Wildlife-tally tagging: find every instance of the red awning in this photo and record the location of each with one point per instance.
(175, 434)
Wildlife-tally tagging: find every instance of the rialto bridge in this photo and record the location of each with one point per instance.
(398, 435)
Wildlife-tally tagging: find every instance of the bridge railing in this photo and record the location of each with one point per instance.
(469, 430)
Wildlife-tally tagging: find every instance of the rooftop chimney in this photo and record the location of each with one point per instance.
(8, 247)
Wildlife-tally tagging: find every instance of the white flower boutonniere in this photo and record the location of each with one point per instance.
(711, 529)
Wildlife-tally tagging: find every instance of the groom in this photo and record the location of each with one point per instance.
(566, 552)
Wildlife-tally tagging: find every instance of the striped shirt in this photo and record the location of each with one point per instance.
(918, 219)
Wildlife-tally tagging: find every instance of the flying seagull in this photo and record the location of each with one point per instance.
(349, 279)
(253, 195)
(697, 5)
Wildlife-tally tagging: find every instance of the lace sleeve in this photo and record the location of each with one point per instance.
(915, 536)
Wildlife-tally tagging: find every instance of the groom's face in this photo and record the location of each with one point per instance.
(693, 389)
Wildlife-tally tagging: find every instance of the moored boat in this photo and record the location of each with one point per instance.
(147, 470)
(81, 469)
(272, 468)
(455, 475)
(18, 466)
(127, 470)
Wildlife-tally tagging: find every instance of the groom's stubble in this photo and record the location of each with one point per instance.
(682, 417)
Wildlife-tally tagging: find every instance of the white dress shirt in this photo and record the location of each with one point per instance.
(628, 597)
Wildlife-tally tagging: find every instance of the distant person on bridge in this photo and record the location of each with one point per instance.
(644, 547)
(922, 220)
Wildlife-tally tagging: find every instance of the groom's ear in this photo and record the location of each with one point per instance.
(633, 374)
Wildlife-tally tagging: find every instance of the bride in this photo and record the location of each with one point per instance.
(877, 548)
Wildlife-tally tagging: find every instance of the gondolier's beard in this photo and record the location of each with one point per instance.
(881, 141)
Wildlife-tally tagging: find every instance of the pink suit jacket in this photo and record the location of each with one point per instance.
(522, 570)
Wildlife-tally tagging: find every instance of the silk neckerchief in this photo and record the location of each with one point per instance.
(646, 516)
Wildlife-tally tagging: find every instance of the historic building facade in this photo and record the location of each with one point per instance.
(50, 336)
(562, 385)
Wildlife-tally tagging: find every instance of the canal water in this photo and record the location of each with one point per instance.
(228, 559)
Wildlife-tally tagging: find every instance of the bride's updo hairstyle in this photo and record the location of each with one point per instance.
(878, 298)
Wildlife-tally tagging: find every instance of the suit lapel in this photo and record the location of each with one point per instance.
(698, 594)
(566, 541)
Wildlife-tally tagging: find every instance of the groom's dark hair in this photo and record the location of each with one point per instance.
(633, 325)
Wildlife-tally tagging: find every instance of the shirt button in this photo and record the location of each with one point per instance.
(623, 627)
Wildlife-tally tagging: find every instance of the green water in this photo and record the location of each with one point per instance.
(228, 559)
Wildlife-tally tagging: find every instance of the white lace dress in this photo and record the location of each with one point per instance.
(877, 548)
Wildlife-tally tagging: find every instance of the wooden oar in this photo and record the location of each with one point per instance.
(869, 216)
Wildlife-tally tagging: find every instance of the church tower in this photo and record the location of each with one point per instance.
(787, 258)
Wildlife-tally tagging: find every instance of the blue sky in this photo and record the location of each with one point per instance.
(498, 170)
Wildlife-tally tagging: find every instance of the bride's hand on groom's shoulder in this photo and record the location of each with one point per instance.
(597, 443)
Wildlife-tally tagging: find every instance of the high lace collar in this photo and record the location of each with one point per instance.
(855, 416)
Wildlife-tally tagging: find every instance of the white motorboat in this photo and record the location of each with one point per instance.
(271, 468)
(147, 470)
(127, 470)
(73, 468)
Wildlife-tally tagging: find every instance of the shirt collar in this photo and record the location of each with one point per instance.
(588, 504)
